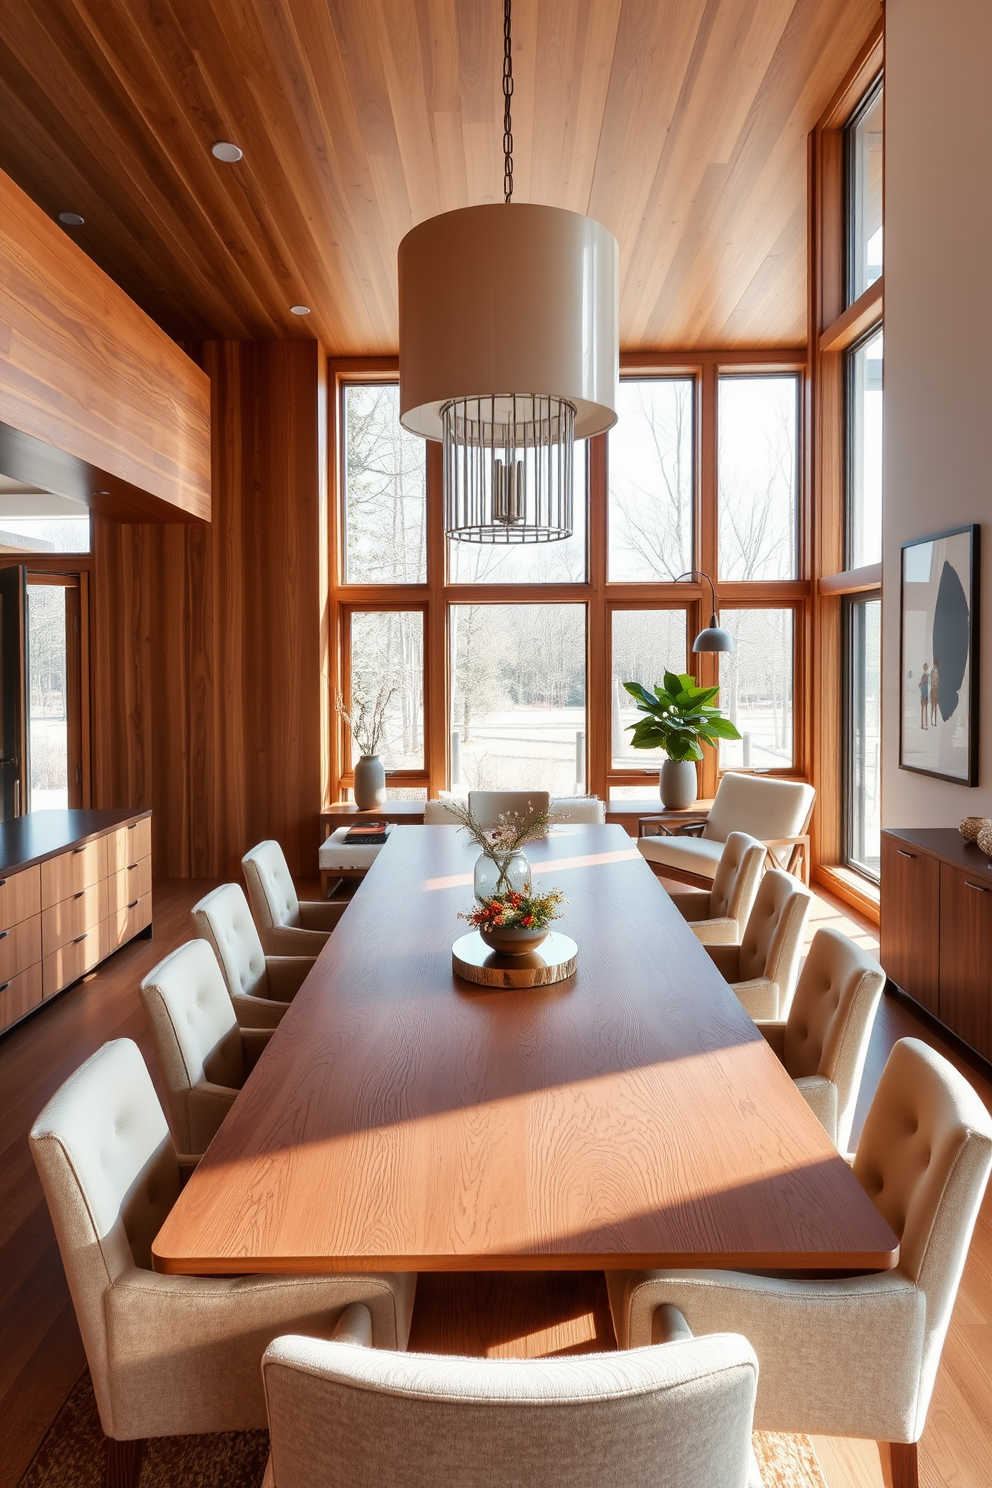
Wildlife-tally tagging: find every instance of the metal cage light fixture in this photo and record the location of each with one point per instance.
(509, 339)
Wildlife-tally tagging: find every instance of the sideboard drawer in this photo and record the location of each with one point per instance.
(62, 922)
(77, 869)
(20, 896)
(966, 956)
(128, 884)
(126, 922)
(20, 947)
(19, 995)
(910, 928)
(72, 960)
(128, 844)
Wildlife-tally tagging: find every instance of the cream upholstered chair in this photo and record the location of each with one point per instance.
(589, 810)
(436, 813)
(168, 1355)
(762, 969)
(286, 927)
(717, 916)
(488, 806)
(204, 1055)
(261, 987)
(858, 1355)
(343, 1415)
(776, 812)
(824, 1042)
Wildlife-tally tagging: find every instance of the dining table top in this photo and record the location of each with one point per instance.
(401, 1119)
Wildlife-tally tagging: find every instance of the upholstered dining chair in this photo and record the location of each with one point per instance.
(436, 813)
(487, 806)
(776, 812)
(673, 1415)
(588, 810)
(286, 926)
(857, 1355)
(204, 1054)
(824, 1041)
(717, 916)
(261, 987)
(762, 969)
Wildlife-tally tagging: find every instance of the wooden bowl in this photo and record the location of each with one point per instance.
(514, 942)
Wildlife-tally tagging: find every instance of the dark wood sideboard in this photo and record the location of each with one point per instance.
(936, 930)
(74, 886)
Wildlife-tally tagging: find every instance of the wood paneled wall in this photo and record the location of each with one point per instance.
(88, 376)
(206, 639)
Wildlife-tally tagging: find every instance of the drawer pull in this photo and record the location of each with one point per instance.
(81, 849)
(979, 888)
(4, 987)
(134, 903)
(904, 854)
(80, 895)
(3, 885)
(80, 937)
(131, 826)
(131, 867)
(4, 934)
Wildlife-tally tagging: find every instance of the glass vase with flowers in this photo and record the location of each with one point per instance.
(502, 866)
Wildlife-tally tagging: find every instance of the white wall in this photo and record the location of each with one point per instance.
(938, 341)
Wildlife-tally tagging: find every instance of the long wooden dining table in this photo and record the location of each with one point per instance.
(403, 1120)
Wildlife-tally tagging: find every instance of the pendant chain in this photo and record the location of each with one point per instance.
(507, 95)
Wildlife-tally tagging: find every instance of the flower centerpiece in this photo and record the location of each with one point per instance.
(367, 723)
(514, 923)
(503, 863)
(678, 718)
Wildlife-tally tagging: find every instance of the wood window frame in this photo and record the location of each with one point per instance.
(597, 592)
(835, 327)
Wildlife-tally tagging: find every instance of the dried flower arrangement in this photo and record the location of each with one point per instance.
(513, 911)
(367, 721)
(510, 834)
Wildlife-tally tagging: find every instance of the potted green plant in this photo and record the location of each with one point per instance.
(678, 718)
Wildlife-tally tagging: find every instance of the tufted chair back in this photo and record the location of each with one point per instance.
(274, 900)
(774, 932)
(222, 918)
(762, 808)
(830, 1022)
(488, 806)
(674, 1415)
(924, 1158)
(195, 1029)
(109, 1171)
(737, 877)
(589, 810)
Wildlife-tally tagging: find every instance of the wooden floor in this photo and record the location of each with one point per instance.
(521, 1315)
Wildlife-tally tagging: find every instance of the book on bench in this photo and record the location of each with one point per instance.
(367, 834)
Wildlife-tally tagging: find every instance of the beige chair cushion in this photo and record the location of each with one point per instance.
(689, 854)
(285, 926)
(677, 1415)
(760, 806)
(488, 806)
(762, 969)
(718, 915)
(436, 813)
(856, 1356)
(589, 810)
(168, 1355)
(222, 918)
(335, 855)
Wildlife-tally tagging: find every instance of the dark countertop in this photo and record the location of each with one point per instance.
(946, 843)
(44, 834)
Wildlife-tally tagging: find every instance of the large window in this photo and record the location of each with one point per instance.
(864, 451)
(651, 458)
(864, 195)
(863, 731)
(503, 665)
(518, 697)
(759, 477)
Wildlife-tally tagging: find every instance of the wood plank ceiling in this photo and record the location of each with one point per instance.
(681, 124)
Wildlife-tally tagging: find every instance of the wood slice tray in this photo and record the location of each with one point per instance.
(553, 961)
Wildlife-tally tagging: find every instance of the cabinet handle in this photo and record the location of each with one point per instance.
(133, 903)
(4, 934)
(979, 888)
(131, 867)
(4, 987)
(81, 849)
(3, 885)
(80, 895)
(80, 937)
(904, 854)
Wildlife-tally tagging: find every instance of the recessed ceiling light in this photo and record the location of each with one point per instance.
(300, 309)
(224, 150)
(71, 219)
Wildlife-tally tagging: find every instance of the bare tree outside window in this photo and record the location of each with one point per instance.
(758, 477)
(756, 689)
(518, 685)
(651, 478)
(646, 643)
(385, 490)
(47, 698)
(387, 655)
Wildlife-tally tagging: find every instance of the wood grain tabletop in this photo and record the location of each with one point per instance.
(632, 1116)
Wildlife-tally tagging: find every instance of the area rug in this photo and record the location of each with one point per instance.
(72, 1455)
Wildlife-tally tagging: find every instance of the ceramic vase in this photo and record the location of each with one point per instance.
(498, 875)
(678, 784)
(370, 783)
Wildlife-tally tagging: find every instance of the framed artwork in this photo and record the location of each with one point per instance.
(938, 704)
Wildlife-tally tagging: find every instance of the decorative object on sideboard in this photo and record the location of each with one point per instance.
(679, 718)
(938, 640)
(971, 826)
(367, 724)
(984, 839)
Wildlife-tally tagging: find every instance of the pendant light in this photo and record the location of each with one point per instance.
(714, 637)
(509, 337)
